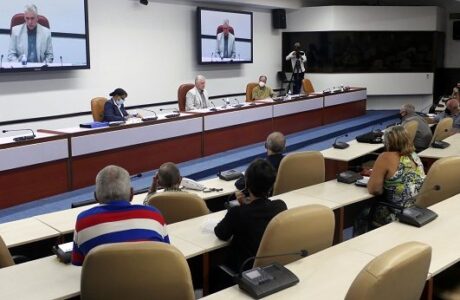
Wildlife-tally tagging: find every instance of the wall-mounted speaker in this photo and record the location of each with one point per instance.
(279, 18)
(456, 30)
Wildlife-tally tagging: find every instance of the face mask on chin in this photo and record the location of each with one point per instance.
(120, 102)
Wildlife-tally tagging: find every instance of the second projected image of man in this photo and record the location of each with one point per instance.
(226, 42)
(30, 41)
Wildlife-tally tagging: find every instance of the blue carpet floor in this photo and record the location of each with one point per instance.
(313, 139)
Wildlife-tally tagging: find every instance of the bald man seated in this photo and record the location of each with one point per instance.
(452, 111)
(275, 146)
(168, 177)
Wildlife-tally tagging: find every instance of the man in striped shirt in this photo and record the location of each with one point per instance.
(115, 219)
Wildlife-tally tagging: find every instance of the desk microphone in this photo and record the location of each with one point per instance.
(60, 58)
(175, 113)
(301, 253)
(1, 61)
(21, 138)
(238, 104)
(149, 118)
(212, 108)
(340, 145)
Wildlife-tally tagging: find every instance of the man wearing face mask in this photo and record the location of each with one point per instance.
(114, 109)
(262, 91)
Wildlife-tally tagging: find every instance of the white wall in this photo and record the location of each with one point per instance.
(148, 50)
(391, 89)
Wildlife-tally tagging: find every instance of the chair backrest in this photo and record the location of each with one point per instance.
(298, 170)
(411, 128)
(249, 87)
(445, 173)
(442, 129)
(97, 108)
(18, 19)
(5, 256)
(220, 29)
(182, 92)
(308, 228)
(138, 270)
(307, 86)
(399, 273)
(178, 206)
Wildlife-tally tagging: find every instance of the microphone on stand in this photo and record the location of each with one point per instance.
(149, 118)
(21, 138)
(175, 113)
(1, 61)
(212, 108)
(62, 64)
(238, 104)
(340, 145)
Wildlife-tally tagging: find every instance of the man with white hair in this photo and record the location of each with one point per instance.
(115, 220)
(197, 97)
(30, 41)
(225, 42)
(423, 134)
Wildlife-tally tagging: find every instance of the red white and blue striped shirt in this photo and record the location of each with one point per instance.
(115, 222)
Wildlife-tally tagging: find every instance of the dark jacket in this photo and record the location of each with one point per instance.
(246, 224)
(112, 113)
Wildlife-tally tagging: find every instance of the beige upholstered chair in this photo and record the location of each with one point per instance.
(144, 270)
(6, 259)
(182, 93)
(178, 206)
(445, 173)
(249, 87)
(308, 228)
(298, 170)
(307, 86)
(442, 129)
(411, 128)
(97, 108)
(398, 274)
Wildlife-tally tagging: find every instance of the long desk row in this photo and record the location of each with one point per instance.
(61, 160)
(191, 237)
(328, 274)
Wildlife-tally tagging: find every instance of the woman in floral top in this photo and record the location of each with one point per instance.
(397, 174)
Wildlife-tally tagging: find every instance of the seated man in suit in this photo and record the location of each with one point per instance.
(168, 178)
(197, 97)
(423, 135)
(275, 145)
(225, 46)
(114, 108)
(246, 223)
(30, 41)
(115, 220)
(262, 91)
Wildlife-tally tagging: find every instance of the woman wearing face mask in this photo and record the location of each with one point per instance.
(114, 108)
(262, 91)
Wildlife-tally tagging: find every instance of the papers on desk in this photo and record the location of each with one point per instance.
(208, 225)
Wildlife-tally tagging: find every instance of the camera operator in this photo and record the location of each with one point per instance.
(297, 58)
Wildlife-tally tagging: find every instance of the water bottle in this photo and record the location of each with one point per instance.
(342, 88)
(289, 95)
(24, 60)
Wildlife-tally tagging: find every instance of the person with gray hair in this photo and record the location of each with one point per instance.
(115, 220)
(452, 111)
(30, 41)
(197, 97)
(168, 177)
(423, 134)
(275, 146)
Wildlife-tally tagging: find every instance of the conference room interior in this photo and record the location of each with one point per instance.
(366, 62)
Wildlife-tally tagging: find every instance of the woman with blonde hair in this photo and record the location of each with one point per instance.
(397, 174)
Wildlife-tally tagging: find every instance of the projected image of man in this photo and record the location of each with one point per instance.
(226, 42)
(30, 41)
